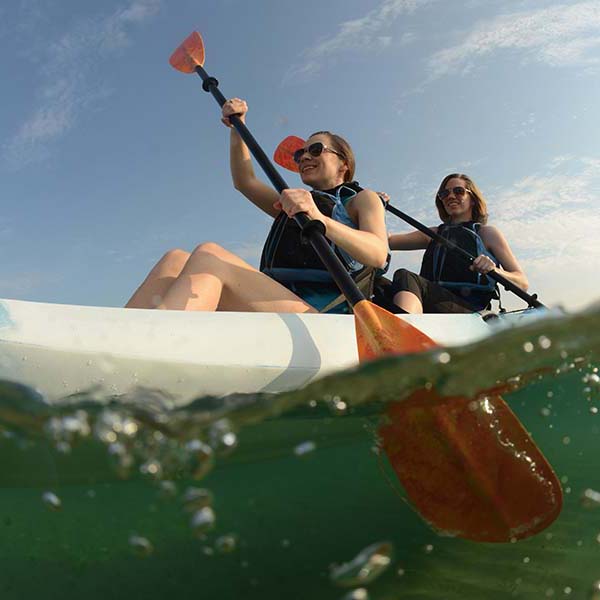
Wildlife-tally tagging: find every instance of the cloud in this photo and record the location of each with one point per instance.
(365, 33)
(549, 219)
(563, 35)
(67, 89)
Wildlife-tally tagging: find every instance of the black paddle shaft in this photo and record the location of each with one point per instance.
(509, 285)
(314, 230)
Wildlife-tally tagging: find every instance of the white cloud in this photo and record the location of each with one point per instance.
(365, 33)
(563, 35)
(549, 219)
(67, 86)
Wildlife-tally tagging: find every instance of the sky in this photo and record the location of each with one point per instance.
(109, 157)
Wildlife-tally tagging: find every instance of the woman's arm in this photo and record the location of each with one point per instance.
(497, 244)
(368, 244)
(415, 240)
(242, 172)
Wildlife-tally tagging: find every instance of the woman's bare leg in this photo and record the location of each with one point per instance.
(215, 279)
(162, 276)
(409, 302)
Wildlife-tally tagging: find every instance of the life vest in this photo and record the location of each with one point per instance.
(288, 256)
(450, 270)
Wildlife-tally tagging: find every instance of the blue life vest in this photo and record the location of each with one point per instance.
(451, 271)
(289, 258)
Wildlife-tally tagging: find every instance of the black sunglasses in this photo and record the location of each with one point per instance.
(459, 190)
(315, 149)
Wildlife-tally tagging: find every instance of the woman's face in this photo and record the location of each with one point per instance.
(324, 171)
(457, 200)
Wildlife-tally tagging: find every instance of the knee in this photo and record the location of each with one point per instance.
(175, 255)
(209, 248)
(173, 261)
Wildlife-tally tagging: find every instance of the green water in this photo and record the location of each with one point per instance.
(295, 510)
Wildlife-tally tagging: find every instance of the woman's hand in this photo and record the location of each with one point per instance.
(483, 264)
(234, 106)
(297, 201)
(385, 197)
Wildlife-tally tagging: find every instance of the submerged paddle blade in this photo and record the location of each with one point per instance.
(470, 467)
(284, 153)
(379, 332)
(189, 55)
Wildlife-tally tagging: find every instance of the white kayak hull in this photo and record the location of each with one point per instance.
(63, 350)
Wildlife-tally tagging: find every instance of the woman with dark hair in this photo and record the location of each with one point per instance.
(446, 284)
(292, 277)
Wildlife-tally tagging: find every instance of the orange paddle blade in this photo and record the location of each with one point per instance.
(189, 55)
(284, 153)
(470, 467)
(379, 332)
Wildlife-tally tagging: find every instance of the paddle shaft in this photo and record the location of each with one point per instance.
(314, 230)
(509, 285)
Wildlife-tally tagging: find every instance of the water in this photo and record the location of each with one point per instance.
(290, 496)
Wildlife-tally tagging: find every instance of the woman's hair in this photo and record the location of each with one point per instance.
(480, 213)
(343, 147)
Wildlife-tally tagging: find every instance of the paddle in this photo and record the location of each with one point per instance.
(482, 511)
(283, 156)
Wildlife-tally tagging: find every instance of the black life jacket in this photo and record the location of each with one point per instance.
(451, 271)
(288, 256)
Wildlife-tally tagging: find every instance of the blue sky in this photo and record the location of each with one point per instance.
(109, 157)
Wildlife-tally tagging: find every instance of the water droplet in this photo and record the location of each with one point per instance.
(526, 560)
(444, 358)
(195, 498)
(51, 501)
(140, 546)
(545, 412)
(365, 567)
(594, 410)
(312, 403)
(400, 572)
(208, 550)
(201, 458)
(473, 405)
(544, 342)
(428, 548)
(304, 448)
(595, 591)
(568, 590)
(549, 593)
(285, 543)
(566, 440)
(202, 521)
(226, 544)
(528, 347)
(590, 498)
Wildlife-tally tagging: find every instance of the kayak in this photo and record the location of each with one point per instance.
(104, 499)
(62, 350)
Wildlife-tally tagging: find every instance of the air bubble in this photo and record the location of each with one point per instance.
(304, 448)
(140, 546)
(528, 347)
(368, 564)
(195, 498)
(51, 501)
(226, 544)
(203, 521)
(357, 594)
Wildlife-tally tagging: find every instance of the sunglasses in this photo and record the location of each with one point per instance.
(458, 191)
(315, 149)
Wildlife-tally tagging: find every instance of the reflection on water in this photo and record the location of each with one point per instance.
(271, 496)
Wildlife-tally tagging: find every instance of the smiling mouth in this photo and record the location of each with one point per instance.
(308, 167)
